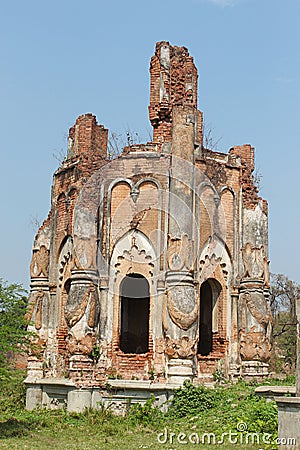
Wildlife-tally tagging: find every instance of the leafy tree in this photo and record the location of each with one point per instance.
(283, 297)
(14, 337)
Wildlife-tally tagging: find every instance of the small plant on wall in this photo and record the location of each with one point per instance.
(95, 354)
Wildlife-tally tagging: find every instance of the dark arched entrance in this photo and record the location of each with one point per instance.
(135, 305)
(205, 330)
(209, 294)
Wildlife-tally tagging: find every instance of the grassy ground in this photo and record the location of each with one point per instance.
(234, 408)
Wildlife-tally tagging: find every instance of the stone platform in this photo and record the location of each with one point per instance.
(118, 395)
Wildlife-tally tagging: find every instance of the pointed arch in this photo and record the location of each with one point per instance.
(132, 254)
(215, 263)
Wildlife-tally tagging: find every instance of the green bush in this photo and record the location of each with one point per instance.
(190, 400)
(147, 414)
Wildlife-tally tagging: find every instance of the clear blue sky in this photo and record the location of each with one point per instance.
(60, 59)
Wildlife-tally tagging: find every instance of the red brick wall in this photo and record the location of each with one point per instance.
(173, 83)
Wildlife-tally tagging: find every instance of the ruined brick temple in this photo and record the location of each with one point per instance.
(152, 267)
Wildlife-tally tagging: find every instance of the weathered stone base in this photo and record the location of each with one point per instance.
(271, 393)
(51, 393)
(118, 396)
(254, 369)
(234, 371)
(122, 394)
(179, 370)
(288, 422)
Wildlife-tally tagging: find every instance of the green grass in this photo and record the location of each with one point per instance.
(194, 411)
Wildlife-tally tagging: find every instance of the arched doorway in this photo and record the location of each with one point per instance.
(208, 324)
(135, 306)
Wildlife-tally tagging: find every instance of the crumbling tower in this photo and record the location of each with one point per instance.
(151, 268)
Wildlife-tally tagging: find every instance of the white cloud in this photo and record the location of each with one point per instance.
(224, 2)
(284, 79)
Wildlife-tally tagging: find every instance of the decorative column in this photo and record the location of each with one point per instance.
(234, 356)
(38, 309)
(82, 316)
(38, 316)
(177, 129)
(254, 314)
(82, 309)
(182, 305)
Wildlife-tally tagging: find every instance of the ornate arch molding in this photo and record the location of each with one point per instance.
(221, 235)
(213, 188)
(227, 188)
(215, 263)
(206, 184)
(61, 197)
(214, 254)
(133, 253)
(72, 190)
(149, 179)
(131, 184)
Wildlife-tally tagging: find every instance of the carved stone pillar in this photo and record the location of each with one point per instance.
(103, 299)
(37, 314)
(254, 313)
(255, 324)
(180, 324)
(182, 306)
(82, 316)
(234, 356)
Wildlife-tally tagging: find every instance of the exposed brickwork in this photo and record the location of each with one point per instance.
(132, 366)
(250, 191)
(173, 81)
(86, 136)
(206, 218)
